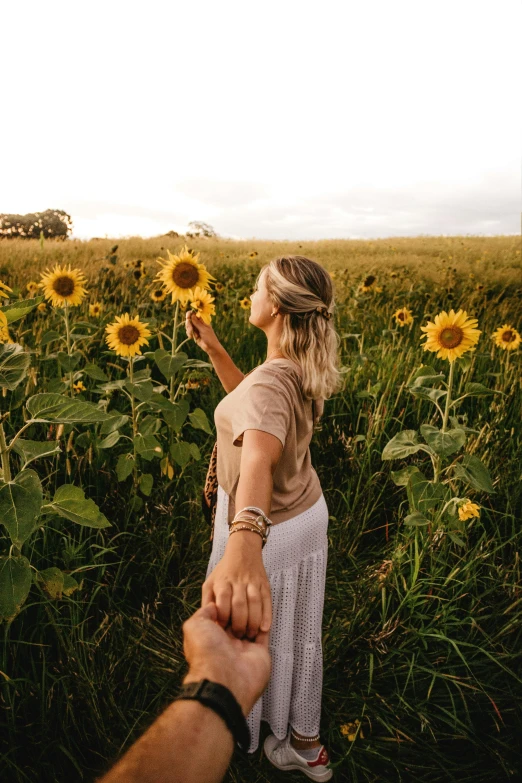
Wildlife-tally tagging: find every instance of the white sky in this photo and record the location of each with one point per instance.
(276, 119)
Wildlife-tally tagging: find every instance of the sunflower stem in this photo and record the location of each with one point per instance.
(68, 336)
(173, 348)
(6, 467)
(134, 426)
(448, 397)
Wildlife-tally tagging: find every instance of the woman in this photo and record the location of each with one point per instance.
(264, 426)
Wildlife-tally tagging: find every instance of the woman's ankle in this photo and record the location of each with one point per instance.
(303, 744)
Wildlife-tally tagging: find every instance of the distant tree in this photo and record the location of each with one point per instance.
(51, 223)
(199, 229)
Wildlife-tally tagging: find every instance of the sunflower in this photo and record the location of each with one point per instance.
(63, 286)
(192, 384)
(79, 387)
(3, 288)
(126, 335)
(138, 274)
(350, 730)
(245, 303)
(451, 335)
(403, 316)
(42, 307)
(181, 274)
(95, 309)
(4, 333)
(158, 295)
(201, 303)
(32, 287)
(138, 264)
(467, 509)
(394, 274)
(219, 286)
(506, 337)
(368, 283)
(253, 254)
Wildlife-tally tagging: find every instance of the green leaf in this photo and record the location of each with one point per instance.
(95, 372)
(69, 584)
(456, 539)
(148, 447)
(198, 419)
(167, 364)
(15, 583)
(416, 519)
(425, 371)
(150, 425)
(59, 408)
(20, 504)
(115, 422)
(473, 472)
(135, 503)
(477, 390)
(174, 413)
(443, 443)
(465, 362)
(426, 393)
(194, 450)
(70, 502)
(424, 495)
(48, 337)
(146, 483)
(110, 441)
(14, 362)
(69, 363)
(402, 445)
(30, 450)
(181, 453)
(142, 391)
(401, 477)
(16, 310)
(124, 466)
(51, 580)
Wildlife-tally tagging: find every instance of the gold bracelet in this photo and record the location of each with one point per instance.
(253, 529)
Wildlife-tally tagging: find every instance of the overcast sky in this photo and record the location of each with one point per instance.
(270, 119)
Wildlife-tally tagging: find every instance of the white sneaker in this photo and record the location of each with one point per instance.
(282, 755)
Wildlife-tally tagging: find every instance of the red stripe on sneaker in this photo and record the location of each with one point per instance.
(321, 759)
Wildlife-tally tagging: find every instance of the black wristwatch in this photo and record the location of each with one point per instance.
(221, 700)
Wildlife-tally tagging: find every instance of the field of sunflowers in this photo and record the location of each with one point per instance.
(106, 427)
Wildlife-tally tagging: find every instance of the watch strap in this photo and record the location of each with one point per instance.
(219, 698)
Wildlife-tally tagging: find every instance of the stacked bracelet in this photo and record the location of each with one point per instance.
(259, 524)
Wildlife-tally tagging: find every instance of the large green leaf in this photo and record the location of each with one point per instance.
(142, 391)
(146, 483)
(198, 419)
(424, 495)
(14, 362)
(443, 443)
(30, 450)
(124, 466)
(174, 413)
(148, 447)
(425, 376)
(68, 363)
(167, 364)
(55, 582)
(402, 445)
(416, 519)
(95, 372)
(478, 390)
(401, 477)
(59, 408)
(473, 472)
(17, 310)
(425, 393)
(20, 504)
(115, 422)
(15, 583)
(70, 502)
(181, 453)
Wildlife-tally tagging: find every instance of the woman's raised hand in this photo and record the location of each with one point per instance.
(241, 591)
(202, 333)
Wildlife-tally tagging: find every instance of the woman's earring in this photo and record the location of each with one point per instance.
(272, 314)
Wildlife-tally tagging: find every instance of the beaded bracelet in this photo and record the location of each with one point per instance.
(253, 529)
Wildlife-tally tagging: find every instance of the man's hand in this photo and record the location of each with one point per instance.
(215, 654)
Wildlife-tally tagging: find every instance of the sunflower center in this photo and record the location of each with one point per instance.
(451, 336)
(158, 293)
(369, 280)
(128, 334)
(197, 303)
(401, 316)
(64, 286)
(185, 275)
(508, 336)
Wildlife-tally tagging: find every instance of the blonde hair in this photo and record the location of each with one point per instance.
(299, 286)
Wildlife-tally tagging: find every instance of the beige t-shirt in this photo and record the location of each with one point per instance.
(269, 398)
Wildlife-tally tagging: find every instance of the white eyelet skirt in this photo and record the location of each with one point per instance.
(295, 559)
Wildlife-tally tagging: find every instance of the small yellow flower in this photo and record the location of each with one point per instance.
(4, 333)
(201, 303)
(126, 335)
(32, 287)
(349, 730)
(158, 295)
(3, 288)
(95, 309)
(253, 254)
(245, 303)
(403, 316)
(63, 286)
(42, 307)
(166, 468)
(468, 510)
(506, 337)
(394, 274)
(451, 335)
(79, 387)
(191, 384)
(219, 286)
(369, 284)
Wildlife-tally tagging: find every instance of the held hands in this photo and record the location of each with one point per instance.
(216, 655)
(240, 589)
(202, 333)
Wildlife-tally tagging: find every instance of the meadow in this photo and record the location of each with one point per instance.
(422, 639)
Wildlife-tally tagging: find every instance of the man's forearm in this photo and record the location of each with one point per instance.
(187, 743)
(227, 372)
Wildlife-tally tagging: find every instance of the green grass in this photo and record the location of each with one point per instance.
(421, 639)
